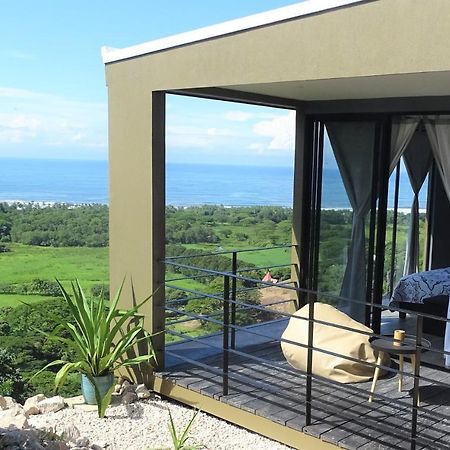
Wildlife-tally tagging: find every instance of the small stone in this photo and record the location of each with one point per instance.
(30, 407)
(52, 404)
(56, 445)
(127, 387)
(96, 447)
(82, 442)
(117, 388)
(69, 432)
(129, 397)
(142, 392)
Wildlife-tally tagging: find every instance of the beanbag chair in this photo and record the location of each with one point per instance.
(346, 343)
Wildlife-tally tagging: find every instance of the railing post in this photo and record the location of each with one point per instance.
(233, 300)
(309, 362)
(226, 321)
(416, 368)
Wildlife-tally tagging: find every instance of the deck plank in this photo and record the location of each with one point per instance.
(341, 414)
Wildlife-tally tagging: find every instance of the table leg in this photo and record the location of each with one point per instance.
(413, 363)
(400, 378)
(375, 377)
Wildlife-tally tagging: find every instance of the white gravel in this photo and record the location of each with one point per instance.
(144, 426)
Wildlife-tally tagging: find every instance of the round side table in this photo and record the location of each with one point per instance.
(386, 345)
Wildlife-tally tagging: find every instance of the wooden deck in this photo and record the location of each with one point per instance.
(341, 413)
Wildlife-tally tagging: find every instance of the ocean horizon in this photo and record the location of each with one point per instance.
(86, 181)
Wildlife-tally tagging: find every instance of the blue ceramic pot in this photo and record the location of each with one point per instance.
(103, 384)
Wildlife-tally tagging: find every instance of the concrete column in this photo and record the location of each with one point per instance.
(137, 201)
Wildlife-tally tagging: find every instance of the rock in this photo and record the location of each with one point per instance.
(30, 407)
(73, 402)
(51, 404)
(96, 447)
(69, 432)
(82, 442)
(10, 402)
(13, 417)
(3, 404)
(127, 387)
(19, 439)
(117, 388)
(129, 397)
(142, 392)
(56, 445)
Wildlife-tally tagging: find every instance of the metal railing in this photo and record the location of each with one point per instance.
(231, 305)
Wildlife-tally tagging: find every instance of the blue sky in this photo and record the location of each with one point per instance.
(53, 99)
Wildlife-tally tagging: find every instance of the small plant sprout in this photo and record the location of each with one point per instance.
(180, 441)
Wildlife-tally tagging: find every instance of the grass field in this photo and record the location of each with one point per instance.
(25, 263)
(261, 258)
(15, 300)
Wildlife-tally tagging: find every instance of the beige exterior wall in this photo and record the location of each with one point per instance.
(376, 38)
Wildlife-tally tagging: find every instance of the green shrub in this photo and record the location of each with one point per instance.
(100, 290)
(11, 381)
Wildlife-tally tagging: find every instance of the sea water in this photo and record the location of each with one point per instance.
(76, 181)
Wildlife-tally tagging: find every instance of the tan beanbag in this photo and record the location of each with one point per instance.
(327, 337)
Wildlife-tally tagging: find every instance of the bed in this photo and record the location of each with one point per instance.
(426, 288)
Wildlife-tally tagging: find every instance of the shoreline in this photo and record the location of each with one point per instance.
(50, 204)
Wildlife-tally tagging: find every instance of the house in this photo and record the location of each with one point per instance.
(370, 76)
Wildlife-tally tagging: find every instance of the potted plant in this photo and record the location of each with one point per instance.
(102, 337)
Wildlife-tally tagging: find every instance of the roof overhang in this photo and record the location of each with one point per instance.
(290, 12)
(314, 51)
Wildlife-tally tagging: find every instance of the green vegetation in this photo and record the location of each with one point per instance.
(179, 440)
(57, 226)
(39, 244)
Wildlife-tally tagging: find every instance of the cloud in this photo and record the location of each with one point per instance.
(238, 116)
(39, 119)
(280, 130)
(196, 136)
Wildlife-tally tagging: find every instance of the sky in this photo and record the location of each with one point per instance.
(53, 98)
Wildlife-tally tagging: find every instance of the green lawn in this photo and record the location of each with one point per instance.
(14, 300)
(27, 262)
(186, 284)
(261, 258)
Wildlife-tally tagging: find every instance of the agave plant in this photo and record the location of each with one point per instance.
(102, 337)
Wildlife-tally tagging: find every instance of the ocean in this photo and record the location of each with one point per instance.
(75, 181)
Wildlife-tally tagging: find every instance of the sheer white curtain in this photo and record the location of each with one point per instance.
(402, 132)
(438, 130)
(417, 158)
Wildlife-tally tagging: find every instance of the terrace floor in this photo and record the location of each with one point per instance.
(341, 413)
